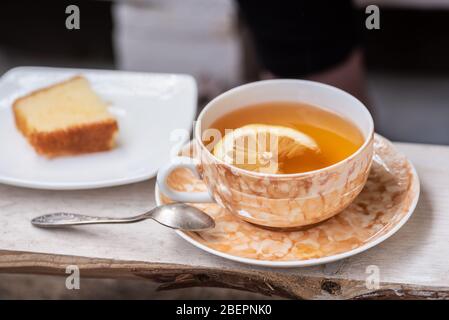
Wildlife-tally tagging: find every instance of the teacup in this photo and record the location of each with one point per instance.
(277, 200)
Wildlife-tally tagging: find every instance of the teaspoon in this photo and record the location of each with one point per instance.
(176, 216)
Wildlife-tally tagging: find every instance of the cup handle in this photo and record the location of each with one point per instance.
(181, 196)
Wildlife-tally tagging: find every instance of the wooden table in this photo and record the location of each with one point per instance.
(414, 263)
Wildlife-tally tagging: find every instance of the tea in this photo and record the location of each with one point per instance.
(337, 138)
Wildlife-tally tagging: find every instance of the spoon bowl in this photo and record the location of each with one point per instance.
(183, 217)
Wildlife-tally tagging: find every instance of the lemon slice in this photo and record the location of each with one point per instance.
(263, 148)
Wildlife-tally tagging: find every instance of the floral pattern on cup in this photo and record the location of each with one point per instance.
(287, 201)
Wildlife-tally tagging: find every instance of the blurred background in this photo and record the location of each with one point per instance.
(406, 61)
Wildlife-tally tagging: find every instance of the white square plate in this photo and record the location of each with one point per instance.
(151, 109)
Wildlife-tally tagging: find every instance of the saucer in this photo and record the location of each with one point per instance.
(386, 202)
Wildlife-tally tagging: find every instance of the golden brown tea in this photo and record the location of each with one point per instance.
(336, 137)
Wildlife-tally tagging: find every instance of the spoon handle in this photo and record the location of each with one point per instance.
(61, 219)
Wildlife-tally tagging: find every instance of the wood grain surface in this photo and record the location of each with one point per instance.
(413, 264)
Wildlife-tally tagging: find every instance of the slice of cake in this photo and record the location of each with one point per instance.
(65, 118)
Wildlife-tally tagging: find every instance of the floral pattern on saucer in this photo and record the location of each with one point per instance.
(386, 199)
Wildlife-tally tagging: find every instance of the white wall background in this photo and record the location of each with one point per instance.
(192, 36)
